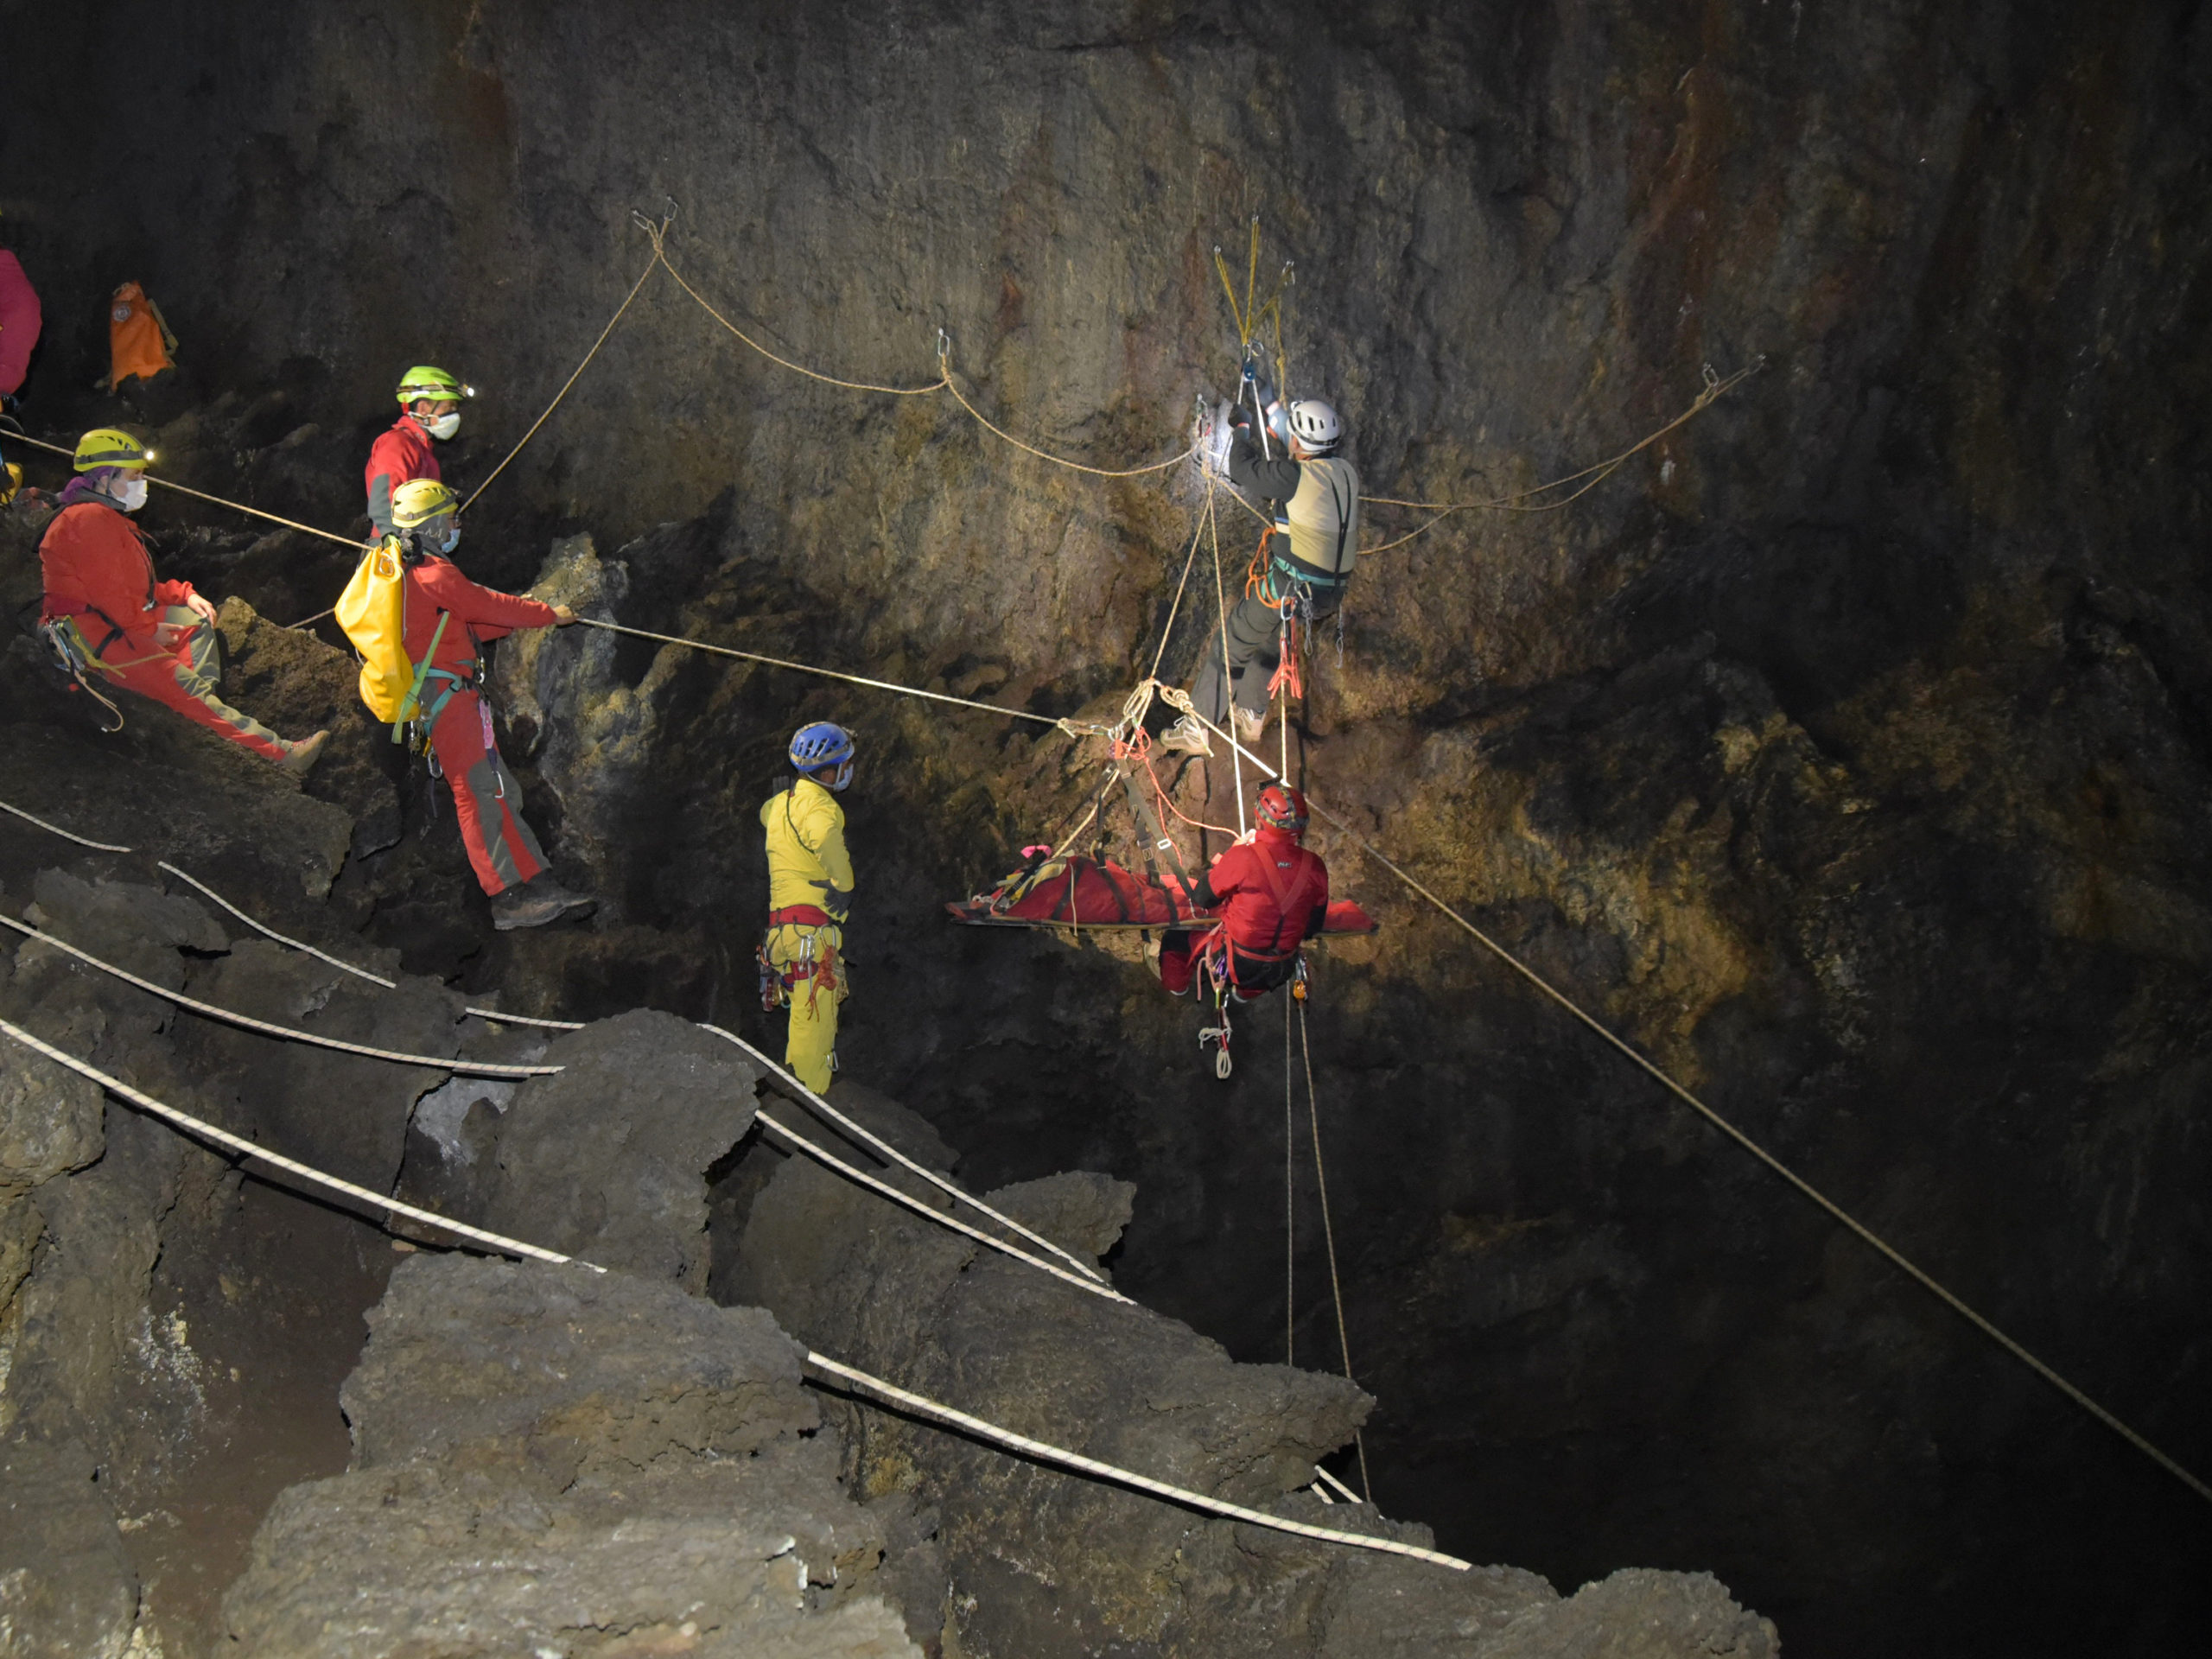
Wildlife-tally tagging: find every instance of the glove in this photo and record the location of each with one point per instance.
(1239, 417)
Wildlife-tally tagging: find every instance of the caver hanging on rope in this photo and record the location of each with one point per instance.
(422, 629)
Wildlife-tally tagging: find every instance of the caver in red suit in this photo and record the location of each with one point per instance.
(1272, 895)
(486, 799)
(155, 638)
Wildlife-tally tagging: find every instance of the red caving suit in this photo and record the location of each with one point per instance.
(136, 631)
(1276, 896)
(486, 797)
(401, 453)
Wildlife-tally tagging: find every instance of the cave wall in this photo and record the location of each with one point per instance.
(1847, 749)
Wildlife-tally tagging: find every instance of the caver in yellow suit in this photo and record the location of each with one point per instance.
(810, 895)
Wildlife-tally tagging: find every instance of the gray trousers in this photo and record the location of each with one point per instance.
(1255, 651)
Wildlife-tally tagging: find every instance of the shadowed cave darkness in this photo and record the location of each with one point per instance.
(1847, 750)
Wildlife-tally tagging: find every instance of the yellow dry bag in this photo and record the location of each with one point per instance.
(372, 611)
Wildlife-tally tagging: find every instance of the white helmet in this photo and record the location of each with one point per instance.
(1315, 424)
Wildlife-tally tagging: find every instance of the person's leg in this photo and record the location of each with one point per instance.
(1175, 961)
(813, 999)
(170, 679)
(1254, 648)
(486, 797)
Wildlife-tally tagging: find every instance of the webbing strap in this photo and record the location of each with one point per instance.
(1148, 822)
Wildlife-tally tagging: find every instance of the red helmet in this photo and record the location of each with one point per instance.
(1281, 807)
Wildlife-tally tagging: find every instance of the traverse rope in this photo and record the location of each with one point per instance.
(53, 829)
(1041, 1449)
(201, 495)
(1107, 1471)
(603, 334)
(205, 1131)
(261, 927)
(890, 1153)
(906, 1201)
(1865, 1233)
(467, 1068)
(1073, 729)
(1715, 388)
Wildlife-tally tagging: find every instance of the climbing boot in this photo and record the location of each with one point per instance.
(537, 901)
(1187, 735)
(1248, 725)
(300, 758)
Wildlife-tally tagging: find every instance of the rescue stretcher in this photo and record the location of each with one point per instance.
(1078, 891)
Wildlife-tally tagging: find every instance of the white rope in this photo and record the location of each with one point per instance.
(876, 1385)
(884, 1149)
(55, 829)
(826, 673)
(907, 1200)
(1865, 1235)
(236, 1143)
(468, 1068)
(1349, 1496)
(261, 927)
(1077, 1461)
(1328, 1228)
(504, 1017)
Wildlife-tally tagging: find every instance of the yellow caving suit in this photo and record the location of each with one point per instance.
(810, 877)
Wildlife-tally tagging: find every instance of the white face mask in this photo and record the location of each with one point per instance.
(452, 540)
(130, 493)
(445, 426)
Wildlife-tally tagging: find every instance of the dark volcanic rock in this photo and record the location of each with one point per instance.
(67, 1586)
(606, 1160)
(591, 1462)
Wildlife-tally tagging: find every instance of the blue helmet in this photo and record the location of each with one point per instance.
(824, 744)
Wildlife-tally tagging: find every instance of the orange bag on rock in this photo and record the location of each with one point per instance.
(138, 337)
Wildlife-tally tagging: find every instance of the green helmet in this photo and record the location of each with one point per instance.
(425, 381)
(414, 503)
(111, 446)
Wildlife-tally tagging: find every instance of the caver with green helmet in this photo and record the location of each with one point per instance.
(429, 404)
(114, 626)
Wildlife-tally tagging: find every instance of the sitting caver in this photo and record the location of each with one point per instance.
(446, 621)
(1303, 566)
(108, 620)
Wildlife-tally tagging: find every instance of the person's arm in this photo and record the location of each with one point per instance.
(20, 321)
(483, 608)
(382, 465)
(1277, 479)
(1320, 919)
(1218, 885)
(824, 832)
(116, 572)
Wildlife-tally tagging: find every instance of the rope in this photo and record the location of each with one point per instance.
(1328, 1232)
(883, 1149)
(1865, 1233)
(828, 673)
(505, 1245)
(55, 829)
(1167, 631)
(1349, 1496)
(1221, 603)
(1715, 388)
(860, 1177)
(984, 421)
(1068, 1460)
(259, 927)
(224, 1138)
(201, 495)
(660, 252)
(502, 1017)
(468, 1068)
(603, 334)
(1289, 1205)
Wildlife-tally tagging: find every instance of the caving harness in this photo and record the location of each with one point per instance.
(816, 966)
(1216, 957)
(78, 657)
